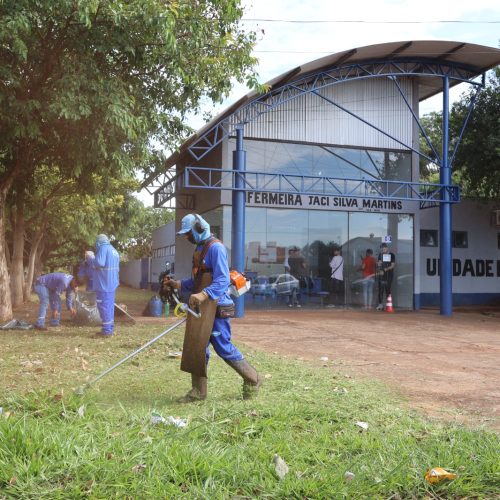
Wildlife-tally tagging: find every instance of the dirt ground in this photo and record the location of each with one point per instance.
(448, 367)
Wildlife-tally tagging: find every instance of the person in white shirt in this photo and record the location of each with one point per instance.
(337, 283)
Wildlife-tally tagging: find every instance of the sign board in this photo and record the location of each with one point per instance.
(328, 202)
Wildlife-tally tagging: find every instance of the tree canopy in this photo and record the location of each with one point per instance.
(93, 87)
(476, 166)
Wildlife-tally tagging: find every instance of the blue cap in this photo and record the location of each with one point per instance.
(187, 224)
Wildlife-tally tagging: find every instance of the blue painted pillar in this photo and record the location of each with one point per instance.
(238, 217)
(445, 252)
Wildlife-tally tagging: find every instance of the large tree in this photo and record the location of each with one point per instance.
(103, 86)
(476, 166)
(478, 156)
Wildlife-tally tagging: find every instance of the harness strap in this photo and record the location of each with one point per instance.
(200, 268)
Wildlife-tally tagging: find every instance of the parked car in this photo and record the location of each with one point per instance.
(260, 286)
(283, 283)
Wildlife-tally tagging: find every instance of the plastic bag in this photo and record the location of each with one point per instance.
(86, 309)
(16, 324)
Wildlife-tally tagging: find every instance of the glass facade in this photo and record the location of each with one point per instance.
(325, 161)
(271, 233)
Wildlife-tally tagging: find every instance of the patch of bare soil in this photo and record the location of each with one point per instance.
(446, 366)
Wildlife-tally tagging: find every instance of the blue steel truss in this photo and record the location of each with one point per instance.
(217, 179)
(169, 191)
(313, 83)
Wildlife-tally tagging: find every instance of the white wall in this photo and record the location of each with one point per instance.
(130, 273)
(163, 248)
(476, 269)
(309, 118)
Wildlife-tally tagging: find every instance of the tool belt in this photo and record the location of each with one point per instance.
(225, 312)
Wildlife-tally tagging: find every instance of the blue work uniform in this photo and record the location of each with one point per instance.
(105, 270)
(85, 273)
(216, 259)
(49, 288)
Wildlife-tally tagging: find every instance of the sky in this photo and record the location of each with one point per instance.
(293, 32)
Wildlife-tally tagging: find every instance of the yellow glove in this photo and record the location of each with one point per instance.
(197, 299)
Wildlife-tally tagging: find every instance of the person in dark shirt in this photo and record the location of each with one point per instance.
(386, 263)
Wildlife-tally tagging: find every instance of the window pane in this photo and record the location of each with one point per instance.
(460, 239)
(428, 238)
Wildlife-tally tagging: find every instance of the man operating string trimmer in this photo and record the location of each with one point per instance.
(209, 294)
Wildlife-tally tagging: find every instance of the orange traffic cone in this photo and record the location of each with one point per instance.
(388, 307)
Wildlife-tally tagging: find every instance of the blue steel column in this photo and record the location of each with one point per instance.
(445, 278)
(238, 217)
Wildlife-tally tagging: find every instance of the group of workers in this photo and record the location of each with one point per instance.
(208, 287)
(99, 271)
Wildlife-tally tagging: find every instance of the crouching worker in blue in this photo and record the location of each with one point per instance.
(49, 288)
(209, 294)
(105, 269)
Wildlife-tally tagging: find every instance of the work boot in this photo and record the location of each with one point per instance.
(198, 391)
(251, 379)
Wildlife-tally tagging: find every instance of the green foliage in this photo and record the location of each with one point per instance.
(137, 224)
(92, 84)
(476, 167)
(71, 216)
(478, 156)
(54, 445)
(91, 95)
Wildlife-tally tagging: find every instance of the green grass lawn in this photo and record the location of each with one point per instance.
(54, 444)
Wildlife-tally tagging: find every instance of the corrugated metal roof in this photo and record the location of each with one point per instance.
(476, 58)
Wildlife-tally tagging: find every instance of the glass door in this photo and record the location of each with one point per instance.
(369, 231)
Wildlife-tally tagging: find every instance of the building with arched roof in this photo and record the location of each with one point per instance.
(329, 156)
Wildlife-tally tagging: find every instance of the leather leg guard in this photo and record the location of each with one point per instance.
(198, 391)
(251, 379)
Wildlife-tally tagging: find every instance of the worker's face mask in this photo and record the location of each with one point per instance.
(190, 238)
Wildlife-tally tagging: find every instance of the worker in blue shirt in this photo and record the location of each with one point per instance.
(85, 272)
(49, 288)
(105, 270)
(209, 294)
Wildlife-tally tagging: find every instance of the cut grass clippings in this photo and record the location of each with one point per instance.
(54, 444)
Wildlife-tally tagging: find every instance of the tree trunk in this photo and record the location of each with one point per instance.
(33, 261)
(38, 267)
(17, 265)
(7, 254)
(5, 301)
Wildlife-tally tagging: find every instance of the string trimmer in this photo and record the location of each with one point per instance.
(183, 309)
